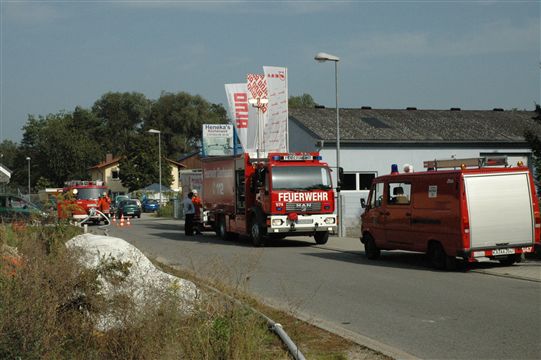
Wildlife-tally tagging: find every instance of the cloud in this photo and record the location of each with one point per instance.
(491, 38)
(27, 13)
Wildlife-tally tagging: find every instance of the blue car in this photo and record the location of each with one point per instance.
(150, 205)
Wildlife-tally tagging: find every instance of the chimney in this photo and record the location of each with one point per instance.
(108, 157)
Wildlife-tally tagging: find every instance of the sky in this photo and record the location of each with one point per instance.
(478, 55)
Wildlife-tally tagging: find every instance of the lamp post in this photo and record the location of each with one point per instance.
(322, 57)
(259, 103)
(154, 131)
(28, 159)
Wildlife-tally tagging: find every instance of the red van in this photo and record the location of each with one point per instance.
(479, 209)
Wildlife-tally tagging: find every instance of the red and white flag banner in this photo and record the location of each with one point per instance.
(239, 112)
(276, 125)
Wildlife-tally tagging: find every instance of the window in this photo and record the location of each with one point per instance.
(114, 174)
(377, 195)
(399, 193)
(357, 181)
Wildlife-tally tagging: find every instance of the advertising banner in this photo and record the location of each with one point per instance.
(239, 113)
(217, 140)
(276, 124)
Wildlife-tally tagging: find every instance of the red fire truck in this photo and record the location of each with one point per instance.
(475, 209)
(80, 198)
(274, 197)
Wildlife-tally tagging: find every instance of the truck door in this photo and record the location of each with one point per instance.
(375, 216)
(398, 219)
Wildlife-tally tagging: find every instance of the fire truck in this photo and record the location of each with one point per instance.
(80, 199)
(282, 194)
(476, 209)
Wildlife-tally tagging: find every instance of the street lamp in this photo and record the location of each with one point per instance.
(28, 159)
(259, 103)
(322, 57)
(154, 131)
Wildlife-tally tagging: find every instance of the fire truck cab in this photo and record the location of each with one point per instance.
(81, 198)
(280, 195)
(475, 209)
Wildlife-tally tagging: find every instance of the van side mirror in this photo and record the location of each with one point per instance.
(363, 203)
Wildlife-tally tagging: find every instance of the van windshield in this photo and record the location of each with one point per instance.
(301, 178)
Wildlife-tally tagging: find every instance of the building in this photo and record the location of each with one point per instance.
(109, 171)
(373, 139)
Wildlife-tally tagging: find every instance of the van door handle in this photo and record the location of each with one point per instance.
(408, 214)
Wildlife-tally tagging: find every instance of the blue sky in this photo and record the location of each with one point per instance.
(55, 55)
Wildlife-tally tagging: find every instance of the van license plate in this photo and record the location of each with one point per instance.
(503, 252)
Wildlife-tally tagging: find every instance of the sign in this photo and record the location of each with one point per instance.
(217, 139)
(276, 125)
(293, 157)
(239, 112)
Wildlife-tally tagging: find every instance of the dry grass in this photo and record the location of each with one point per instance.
(51, 308)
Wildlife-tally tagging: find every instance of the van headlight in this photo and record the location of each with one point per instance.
(330, 220)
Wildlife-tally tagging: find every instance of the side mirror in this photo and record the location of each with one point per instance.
(363, 203)
(340, 175)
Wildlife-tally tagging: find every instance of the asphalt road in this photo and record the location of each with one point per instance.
(398, 301)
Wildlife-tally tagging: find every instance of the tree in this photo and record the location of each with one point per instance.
(303, 101)
(141, 167)
(180, 118)
(535, 144)
(120, 114)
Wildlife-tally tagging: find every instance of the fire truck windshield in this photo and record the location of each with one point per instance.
(88, 193)
(301, 178)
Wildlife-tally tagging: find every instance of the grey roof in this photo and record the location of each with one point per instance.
(420, 126)
(156, 188)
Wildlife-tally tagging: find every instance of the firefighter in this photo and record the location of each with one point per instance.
(197, 219)
(104, 203)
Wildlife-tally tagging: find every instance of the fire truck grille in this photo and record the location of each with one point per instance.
(303, 207)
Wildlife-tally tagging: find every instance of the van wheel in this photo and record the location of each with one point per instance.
(511, 259)
(439, 259)
(321, 237)
(256, 234)
(370, 249)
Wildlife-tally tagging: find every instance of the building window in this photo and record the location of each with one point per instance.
(357, 181)
(114, 174)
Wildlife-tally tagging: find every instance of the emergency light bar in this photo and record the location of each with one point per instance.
(464, 163)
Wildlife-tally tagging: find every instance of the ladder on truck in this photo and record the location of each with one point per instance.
(465, 163)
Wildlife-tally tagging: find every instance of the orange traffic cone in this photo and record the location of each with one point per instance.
(121, 220)
(128, 222)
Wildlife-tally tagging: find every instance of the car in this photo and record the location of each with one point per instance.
(128, 208)
(150, 205)
(15, 208)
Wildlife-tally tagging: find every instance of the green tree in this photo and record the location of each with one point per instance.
(141, 167)
(535, 144)
(303, 101)
(119, 115)
(180, 117)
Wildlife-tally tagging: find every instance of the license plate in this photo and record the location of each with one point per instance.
(503, 252)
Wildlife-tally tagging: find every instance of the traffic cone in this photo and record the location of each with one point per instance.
(128, 222)
(121, 220)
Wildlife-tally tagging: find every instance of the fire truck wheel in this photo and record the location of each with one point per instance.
(321, 237)
(221, 228)
(370, 249)
(256, 234)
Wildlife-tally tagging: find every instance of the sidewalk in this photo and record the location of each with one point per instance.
(530, 269)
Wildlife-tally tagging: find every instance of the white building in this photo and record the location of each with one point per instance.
(371, 140)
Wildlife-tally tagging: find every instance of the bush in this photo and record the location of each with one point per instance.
(166, 210)
(51, 308)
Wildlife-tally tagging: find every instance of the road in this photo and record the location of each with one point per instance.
(399, 301)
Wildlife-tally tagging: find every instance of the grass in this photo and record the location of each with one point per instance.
(52, 308)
